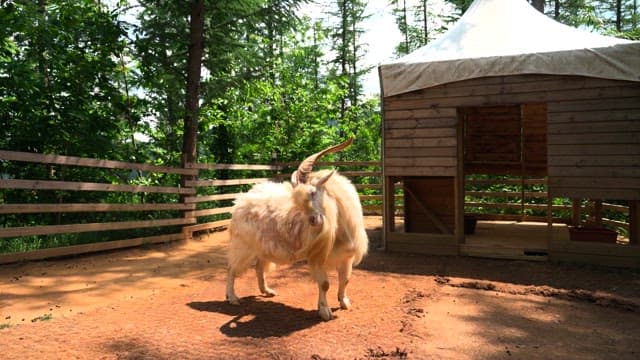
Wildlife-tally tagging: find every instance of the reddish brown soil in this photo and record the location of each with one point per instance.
(167, 302)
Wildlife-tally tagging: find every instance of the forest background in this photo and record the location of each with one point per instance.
(244, 81)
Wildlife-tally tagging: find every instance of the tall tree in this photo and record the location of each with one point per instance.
(194, 66)
(400, 12)
(538, 5)
(161, 49)
(418, 23)
(348, 50)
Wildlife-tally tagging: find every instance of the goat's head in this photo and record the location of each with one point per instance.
(310, 194)
(310, 197)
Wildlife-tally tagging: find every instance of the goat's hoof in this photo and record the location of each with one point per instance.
(233, 300)
(325, 313)
(268, 292)
(345, 304)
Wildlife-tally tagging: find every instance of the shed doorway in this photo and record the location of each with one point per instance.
(506, 201)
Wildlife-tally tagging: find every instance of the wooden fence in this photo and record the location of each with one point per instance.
(125, 198)
(527, 200)
(176, 212)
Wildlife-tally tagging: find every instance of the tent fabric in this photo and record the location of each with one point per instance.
(510, 37)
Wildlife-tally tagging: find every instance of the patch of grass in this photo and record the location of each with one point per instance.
(5, 326)
(44, 317)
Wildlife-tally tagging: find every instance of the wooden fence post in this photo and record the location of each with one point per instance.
(634, 222)
(575, 212)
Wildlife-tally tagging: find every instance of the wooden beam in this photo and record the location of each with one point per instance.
(188, 231)
(205, 198)
(214, 211)
(507, 182)
(60, 208)
(389, 204)
(418, 171)
(232, 167)
(514, 206)
(203, 183)
(459, 181)
(77, 228)
(80, 161)
(634, 222)
(8, 258)
(597, 212)
(292, 164)
(436, 244)
(88, 186)
(527, 194)
(430, 215)
(350, 174)
(575, 212)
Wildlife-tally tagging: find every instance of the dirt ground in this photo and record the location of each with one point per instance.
(167, 302)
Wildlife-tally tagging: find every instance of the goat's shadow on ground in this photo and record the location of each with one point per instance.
(259, 318)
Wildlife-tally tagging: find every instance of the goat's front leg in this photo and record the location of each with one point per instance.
(261, 266)
(322, 279)
(230, 293)
(344, 273)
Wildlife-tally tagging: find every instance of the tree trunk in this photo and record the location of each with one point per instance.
(618, 15)
(194, 64)
(344, 49)
(538, 4)
(425, 25)
(406, 27)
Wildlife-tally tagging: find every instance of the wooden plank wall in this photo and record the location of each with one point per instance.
(534, 126)
(593, 130)
(419, 141)
(594, 145)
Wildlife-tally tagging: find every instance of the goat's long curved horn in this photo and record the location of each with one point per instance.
(301, 176)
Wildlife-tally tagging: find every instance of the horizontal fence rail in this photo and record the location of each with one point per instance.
(519, 202)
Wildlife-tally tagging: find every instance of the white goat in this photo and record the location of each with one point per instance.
(317, 217)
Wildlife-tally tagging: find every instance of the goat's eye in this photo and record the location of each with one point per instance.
(312, 193)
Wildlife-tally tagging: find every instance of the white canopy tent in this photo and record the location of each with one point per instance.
(510, 37)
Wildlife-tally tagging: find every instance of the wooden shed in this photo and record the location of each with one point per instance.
(509, 91)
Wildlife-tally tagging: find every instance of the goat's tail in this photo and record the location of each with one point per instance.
(361, 243)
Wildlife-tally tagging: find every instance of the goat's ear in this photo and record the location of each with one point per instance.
(324, 179)
(294, 179)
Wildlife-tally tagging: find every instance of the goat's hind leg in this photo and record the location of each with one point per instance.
(231, 293)
(261, 267)
(237, 265)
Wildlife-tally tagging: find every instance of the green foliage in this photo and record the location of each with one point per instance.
(45, 317)
(419, 23)
(58, 73)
